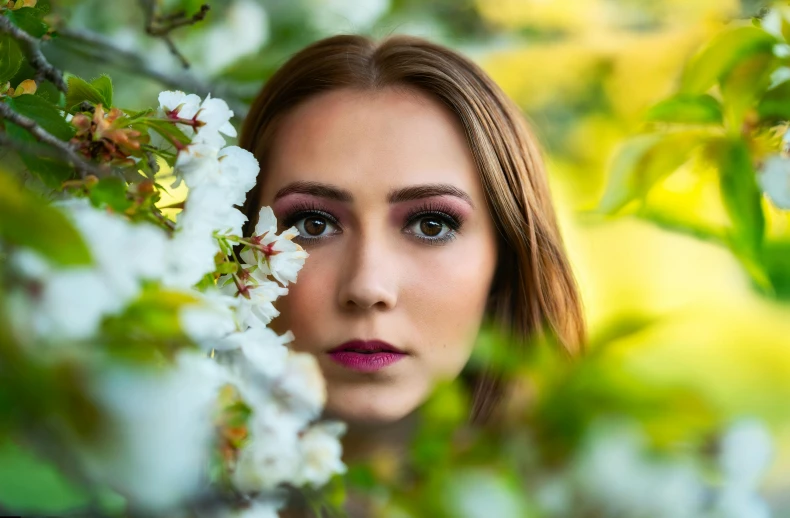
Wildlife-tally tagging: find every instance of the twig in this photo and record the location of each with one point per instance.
(151, 159)
(101, 49)
(44, 70)
(160, 26)
(63, 150)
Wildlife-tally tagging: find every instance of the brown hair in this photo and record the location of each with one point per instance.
(533, 290)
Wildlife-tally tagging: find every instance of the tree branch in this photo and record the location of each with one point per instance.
(101, 49)
(31, 47)
(62, 149)
(160, 26)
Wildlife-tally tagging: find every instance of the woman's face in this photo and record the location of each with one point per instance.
(386, 197)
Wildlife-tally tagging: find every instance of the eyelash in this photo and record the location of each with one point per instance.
(446, 214)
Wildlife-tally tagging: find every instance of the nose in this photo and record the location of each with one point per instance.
(369, 278)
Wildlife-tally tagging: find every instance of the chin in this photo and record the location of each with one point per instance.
(370, 406)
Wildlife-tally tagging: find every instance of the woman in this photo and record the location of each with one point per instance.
(421, 197)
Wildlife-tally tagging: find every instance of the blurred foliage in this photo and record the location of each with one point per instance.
(655, 117)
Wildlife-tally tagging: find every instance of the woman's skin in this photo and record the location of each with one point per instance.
(370, 163)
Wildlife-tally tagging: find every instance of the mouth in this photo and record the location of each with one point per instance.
(366, 355)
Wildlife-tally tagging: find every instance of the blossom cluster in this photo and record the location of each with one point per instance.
(235, 398)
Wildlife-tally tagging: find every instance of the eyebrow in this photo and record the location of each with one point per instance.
(415, 192)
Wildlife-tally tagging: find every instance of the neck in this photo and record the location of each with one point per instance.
(363, 441)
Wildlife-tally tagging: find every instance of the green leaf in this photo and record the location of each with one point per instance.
(29, 20)
(50, 92)
(29, 484)
(26, 220)
(642, 162)
(110, 192)
(10, 57)
(722, 55)
(80, 90)
(687, 109)
(103, 85)
(740, 193)
(51, 171)
(167, 129)
(46, 114)
(743, 85)
(775, 104)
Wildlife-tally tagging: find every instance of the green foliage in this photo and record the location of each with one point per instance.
(687, 109)
(29, 19)
(46, 114)
(643, 161)
(775, 104)
(111, 192)
(722, 54)
(10, 57)
(27, 221)
(31, 485)
(98, 91)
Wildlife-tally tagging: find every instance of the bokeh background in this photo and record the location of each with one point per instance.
(584, 72)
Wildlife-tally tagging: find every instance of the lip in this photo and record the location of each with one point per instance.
(366, 355)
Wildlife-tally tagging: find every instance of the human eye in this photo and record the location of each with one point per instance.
(313, 224)
(433, 225)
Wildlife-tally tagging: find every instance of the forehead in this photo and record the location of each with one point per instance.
(369, 143)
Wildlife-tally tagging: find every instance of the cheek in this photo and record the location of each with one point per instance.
(447, 301)
(305, 310)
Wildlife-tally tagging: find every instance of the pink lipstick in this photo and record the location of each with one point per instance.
(366, 355)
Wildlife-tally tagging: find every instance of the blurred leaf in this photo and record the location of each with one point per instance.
(687, 109)
(29, 20)
(149, 329)
(46, 114)
(775, 257)
(743, 85)
(722, 54)
(641, 162)
(80, 91)
(775, 104)
(10, 57)
(740, 192)
(28, 221)
(29, 484)
(111, 191)
(51, 171)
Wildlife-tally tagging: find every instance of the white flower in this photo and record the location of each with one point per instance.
(273, 455)
(208, 209)
(321, 453)
(162, 430)
(747, 450)
(238, 171)
(275, 255)
(73, 303)
(191, 258)
(125, 253)
(260, 509)
(302, 385)
(256, 308)
(215, 116)
(478, 493)
(774, 179)
(209, 319)
(618, 476)
(264, 351)
(196, 165)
